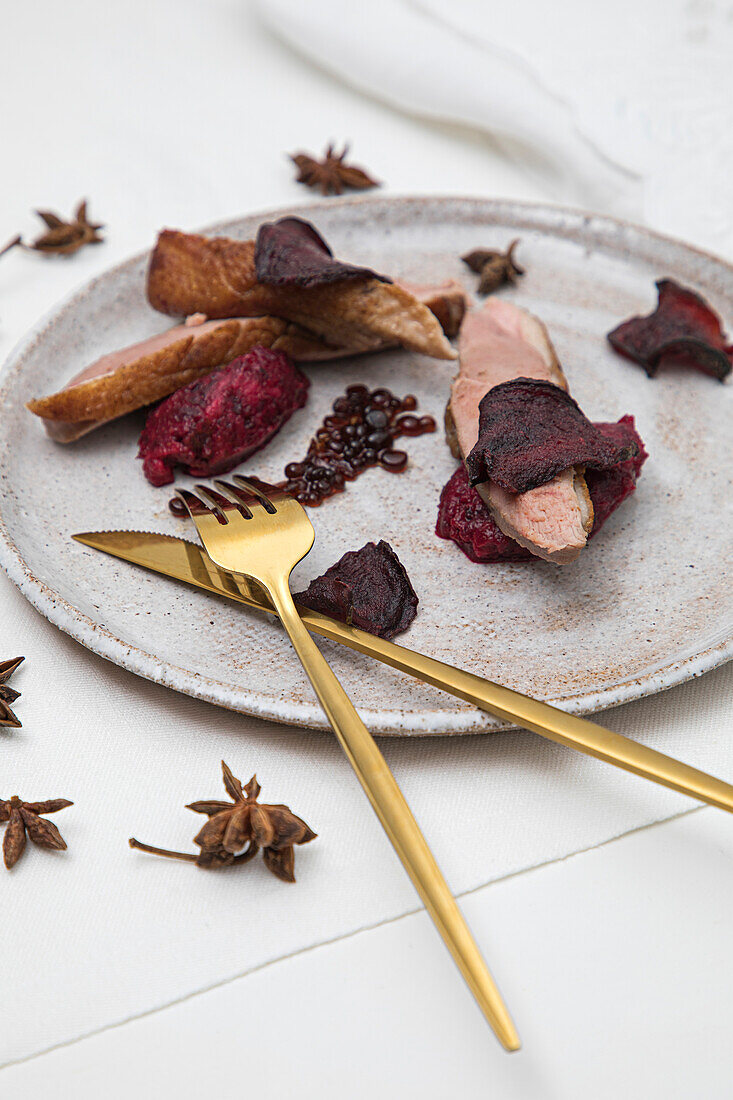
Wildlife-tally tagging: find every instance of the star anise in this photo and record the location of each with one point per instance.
(11, 244)
(7, 694)
(243, 822)
(62, 238)
(24, 817)
(494, 267)
(331, 175)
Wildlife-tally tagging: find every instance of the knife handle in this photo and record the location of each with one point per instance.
(542, 718)
(177, 558)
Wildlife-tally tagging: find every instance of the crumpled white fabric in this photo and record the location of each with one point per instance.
(624, 108)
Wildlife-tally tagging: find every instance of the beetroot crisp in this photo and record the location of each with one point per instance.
(368, 588)
(290, 252)
(210, 425)
(683, 331)
(464, 518)
(530, 430)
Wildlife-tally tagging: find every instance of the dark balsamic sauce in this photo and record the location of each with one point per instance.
(358, 433)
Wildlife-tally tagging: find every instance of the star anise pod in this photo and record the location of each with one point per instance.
(11, 244)
(494, 267)
(7, 694)
(243, 822)
(331, 175)
(24, 818)
(62, 238)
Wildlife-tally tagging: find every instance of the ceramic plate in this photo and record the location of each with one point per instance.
(645, 606)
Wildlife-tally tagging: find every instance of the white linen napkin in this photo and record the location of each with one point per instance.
(604, 103)
(418, 62)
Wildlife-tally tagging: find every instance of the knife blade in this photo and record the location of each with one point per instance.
(185, 561)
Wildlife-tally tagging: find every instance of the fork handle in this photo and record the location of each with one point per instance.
(396, 817)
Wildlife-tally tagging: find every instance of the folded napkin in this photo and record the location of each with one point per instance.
(417, 62)
(598, 101)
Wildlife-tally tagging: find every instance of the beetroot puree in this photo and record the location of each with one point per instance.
(209, 426)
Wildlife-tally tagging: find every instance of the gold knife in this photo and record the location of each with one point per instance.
(182, 560)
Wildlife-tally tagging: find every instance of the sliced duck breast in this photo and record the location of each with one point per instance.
(497, 343)
(217, 276)
(150, 370)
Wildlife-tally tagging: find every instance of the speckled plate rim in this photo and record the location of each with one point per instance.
(572, 224)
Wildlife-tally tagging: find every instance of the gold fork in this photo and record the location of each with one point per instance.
(263, 537)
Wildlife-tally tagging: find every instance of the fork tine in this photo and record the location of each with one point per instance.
(197, 507)
(194, 505)
(245, 500)
(222, 502)
(255, 489)
(258, 484)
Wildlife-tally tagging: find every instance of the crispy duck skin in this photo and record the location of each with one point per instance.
(133, 377)
(448, 301)
(216, 276)
(147, 372)
(499, 342)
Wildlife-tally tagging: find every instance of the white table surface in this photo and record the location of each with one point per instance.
(619, 958)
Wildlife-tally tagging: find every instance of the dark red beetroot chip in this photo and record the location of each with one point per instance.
(464, 518)
(290, 252)
(530, 430)
(368, 588)
(209, 426)
(683, 331)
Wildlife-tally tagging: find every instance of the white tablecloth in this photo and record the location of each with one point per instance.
(180, 115)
